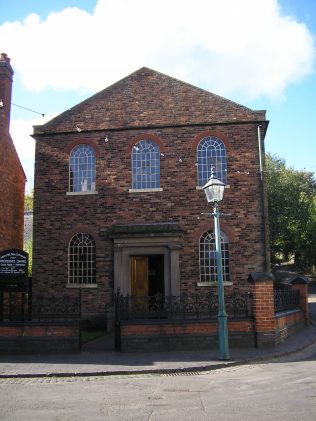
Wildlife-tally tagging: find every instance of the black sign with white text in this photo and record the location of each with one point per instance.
(14, 271)
(13, 264)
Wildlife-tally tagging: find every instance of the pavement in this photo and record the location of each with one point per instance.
(92, 361)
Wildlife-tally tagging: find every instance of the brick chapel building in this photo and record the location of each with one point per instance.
(11, 171)
(119, 200)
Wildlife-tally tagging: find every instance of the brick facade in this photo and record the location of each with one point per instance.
(147, 105)
(11, 173)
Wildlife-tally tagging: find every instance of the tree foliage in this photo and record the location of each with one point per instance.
(28, 201)
(28, 244)
(292, 212)
(28, 247)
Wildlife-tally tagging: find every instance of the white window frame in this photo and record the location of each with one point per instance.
(211, 153)
(82, 170)
(145, 157)
(81, 260)
(207, 258)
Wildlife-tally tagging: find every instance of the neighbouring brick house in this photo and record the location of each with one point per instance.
(11, 171)
(118, 198)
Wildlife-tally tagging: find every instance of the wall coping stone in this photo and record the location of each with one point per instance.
(299, 280)
(255, 277)
(287, 313)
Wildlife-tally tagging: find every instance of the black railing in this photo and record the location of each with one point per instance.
(237, 304)
(55, 308)
(286, 299)
(41, 308)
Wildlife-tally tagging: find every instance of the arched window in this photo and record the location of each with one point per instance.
(81, 260)
(208, 272)
(211, 153)
(145, 165)
(82, 169)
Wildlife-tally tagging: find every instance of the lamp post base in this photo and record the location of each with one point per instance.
(223, 337)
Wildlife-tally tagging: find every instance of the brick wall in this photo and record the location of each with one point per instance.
(272, 328)
(11, 173)
(144, 105)
(266, 328)
(12, 196)
(43, 337)
(287, 323)
(57, 217)
(163, 335)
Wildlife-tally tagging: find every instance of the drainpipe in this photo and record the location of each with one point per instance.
(264, 201)
(260, 151)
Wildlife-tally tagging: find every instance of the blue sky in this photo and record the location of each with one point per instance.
(258, 53)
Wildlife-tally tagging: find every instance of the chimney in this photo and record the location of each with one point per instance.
(6, 78)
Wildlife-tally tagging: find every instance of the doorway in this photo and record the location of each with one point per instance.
(147, 275)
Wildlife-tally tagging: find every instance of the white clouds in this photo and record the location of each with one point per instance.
(25, 145)
(227, 46)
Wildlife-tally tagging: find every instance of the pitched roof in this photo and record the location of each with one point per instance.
(149, 98)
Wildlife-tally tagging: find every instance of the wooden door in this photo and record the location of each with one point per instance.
(139, 276)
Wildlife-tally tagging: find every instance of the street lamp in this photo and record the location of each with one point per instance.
(214, 191)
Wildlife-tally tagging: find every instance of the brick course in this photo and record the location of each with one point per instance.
(190, 335)
(48, 337)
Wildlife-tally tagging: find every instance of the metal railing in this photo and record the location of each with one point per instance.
(286, 299)
(238, 305)
(53, 308)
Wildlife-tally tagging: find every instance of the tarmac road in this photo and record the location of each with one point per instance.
(280, 389)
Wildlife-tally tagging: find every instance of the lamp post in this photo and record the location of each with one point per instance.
(214, 191)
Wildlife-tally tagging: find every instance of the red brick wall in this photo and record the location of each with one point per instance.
(180, 328)
(263, 305)
(33, 330)
(57, 216)
(11, 173)
(286, 324)
(272, 328)
(163, 335)
(44, 337)
(303, 291)
(12, 196)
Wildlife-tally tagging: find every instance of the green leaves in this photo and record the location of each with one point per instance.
(28, 201)
(292, 212)
(28, 247)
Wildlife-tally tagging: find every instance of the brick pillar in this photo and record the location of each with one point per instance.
(263, 307)
(300, 284)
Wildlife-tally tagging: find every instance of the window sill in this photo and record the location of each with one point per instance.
(145, 190)
(81, 286)
(214, 284)
(227, 186)
(80, 193)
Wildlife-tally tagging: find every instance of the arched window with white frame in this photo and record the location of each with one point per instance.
(211, 153)
(82, 169)
(82, 259)
(145, 165)
(208, 266)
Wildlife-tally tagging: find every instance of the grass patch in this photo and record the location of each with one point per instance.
(90, 335)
